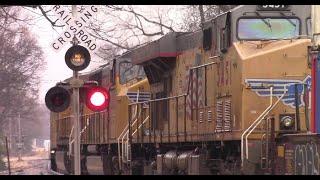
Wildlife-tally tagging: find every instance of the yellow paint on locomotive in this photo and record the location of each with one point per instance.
(119, 106)
(282, 60)
(60, 127)
(285, 59)
(53, 130)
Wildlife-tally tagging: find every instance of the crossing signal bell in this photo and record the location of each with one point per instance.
(57, 99)
(77, 58)
(97, 98)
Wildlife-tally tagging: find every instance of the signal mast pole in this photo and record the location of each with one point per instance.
(77, 58)
(76, 121)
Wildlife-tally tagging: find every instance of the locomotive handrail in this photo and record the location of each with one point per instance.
(70, 140)
(203, 65)
(137, 100)
(247, 151)
(127, 132)
(124, 132)
(144, 121)
(261, 151)
(262, 114)
(160, 99)
(256, 123)
(82, 131)
(181, 95)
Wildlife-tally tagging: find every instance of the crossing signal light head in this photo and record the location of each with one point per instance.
(57, 99)
(97, 98)
(77, 58)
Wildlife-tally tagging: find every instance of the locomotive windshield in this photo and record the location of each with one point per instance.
(268, 28)
(128, 72)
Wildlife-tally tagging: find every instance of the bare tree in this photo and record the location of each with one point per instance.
(121, 28)
(20, 61)
(124, 27)
(196, 15)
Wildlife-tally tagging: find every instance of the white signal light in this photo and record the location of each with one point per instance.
(78, 59)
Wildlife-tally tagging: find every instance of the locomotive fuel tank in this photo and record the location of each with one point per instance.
(94, 165)
(61, 162)
(170, 160)
(183, 160)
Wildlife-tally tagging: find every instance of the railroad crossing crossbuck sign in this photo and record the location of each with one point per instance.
(75, 26)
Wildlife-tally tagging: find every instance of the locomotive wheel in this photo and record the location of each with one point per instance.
(115, 166)
(53, 164)
(68, 163)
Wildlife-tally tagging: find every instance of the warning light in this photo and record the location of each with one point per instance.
(77, 58)
(97, 98)
(57, 99)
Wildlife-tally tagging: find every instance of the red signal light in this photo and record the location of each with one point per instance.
(57, 99)
(97, 98)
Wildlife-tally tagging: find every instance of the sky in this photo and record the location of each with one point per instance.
(56, 70)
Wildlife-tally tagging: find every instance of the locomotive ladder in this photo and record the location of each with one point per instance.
(125, 133)
(124, 155)
(251, 128)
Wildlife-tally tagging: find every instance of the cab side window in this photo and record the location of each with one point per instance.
(207, 39)
(225, 35)
(129, 71)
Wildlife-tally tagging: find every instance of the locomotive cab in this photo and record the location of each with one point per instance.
(125, 83)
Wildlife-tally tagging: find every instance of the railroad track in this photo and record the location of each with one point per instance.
(32, 167)
(54, 173)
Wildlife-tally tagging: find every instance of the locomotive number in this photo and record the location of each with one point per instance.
(272, 7)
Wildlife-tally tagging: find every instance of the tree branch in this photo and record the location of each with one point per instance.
(107, 40)
(44, 13)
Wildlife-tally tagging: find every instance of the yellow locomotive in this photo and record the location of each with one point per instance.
(231, 98)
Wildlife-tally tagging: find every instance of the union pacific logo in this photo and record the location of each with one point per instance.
(280, 87)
